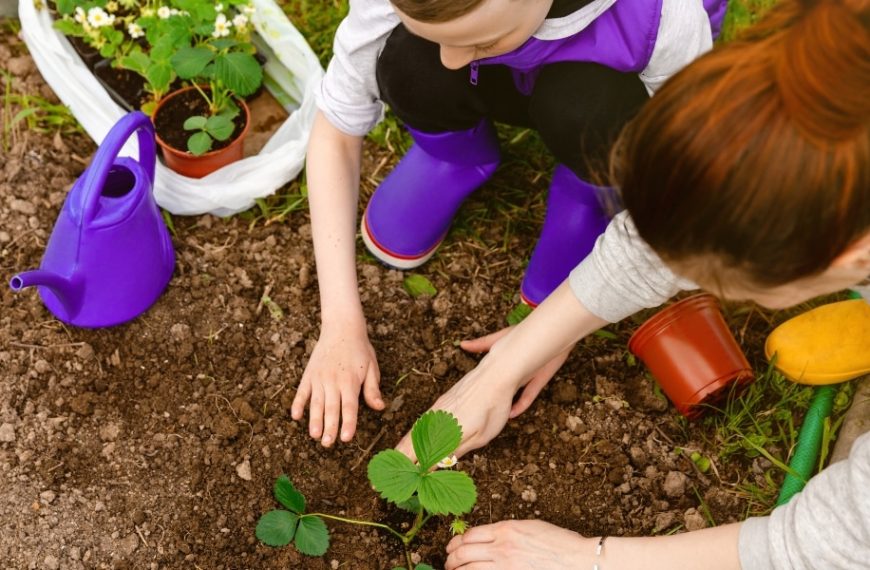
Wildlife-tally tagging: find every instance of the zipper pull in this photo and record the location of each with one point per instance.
(474, 71)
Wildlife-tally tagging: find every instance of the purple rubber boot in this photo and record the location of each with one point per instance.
(409, 214)
(574, 220)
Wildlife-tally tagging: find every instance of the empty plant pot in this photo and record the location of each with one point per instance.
(692, 353)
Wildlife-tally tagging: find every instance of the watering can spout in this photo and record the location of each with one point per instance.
(67, 290)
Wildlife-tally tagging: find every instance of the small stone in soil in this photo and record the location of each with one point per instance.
(694, 520)
(664, 520)
(675, 484)
(565, 393)
(243, 470)
(7, 433)
(48, 497)
(51, 562)
(128, 545)
(110, 432)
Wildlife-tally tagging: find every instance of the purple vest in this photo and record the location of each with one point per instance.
(622, 38)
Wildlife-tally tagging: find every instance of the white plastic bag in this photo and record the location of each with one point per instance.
(230, 189)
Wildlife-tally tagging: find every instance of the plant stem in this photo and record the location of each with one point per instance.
(422, 518)
(209, 102)
(359, 522)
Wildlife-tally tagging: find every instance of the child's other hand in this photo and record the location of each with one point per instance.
(538, 380)
(342, 361)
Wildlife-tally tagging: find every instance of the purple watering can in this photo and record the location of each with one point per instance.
(109, 256)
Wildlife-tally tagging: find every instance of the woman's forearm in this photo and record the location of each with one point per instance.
(556, 325)
(333, 166)
(711, 549)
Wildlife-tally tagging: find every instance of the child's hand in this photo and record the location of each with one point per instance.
(341, 362)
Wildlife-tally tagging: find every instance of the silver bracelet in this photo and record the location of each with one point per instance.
(598, 550)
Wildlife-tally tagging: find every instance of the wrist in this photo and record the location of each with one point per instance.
(501, 370)
(348, 317)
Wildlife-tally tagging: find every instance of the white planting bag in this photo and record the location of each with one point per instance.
(230, 189)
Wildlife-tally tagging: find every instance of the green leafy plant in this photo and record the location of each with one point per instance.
(206, 43)
(418, 488)
(208, 130)
(418, 285)
(99, 23)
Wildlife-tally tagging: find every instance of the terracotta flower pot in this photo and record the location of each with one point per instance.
(187, 164)
(692, 354)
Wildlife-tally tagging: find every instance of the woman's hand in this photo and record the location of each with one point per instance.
(342, 361)
(535, 384)
(481, 402)
(510, 545)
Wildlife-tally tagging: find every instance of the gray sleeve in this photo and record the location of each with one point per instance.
(684, 35)
(348, 94)
(623, 274)
(827, 525)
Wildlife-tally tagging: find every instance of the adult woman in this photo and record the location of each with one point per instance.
(749, 176)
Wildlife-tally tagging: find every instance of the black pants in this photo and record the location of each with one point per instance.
(578, 108)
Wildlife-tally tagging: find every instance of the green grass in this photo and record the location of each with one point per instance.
(32, 112)
(741, 14)
(763, 424)
(278, 207)
(317, 21)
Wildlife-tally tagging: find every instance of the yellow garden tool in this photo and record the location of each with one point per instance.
(822, 347)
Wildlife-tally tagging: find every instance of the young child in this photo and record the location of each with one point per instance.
(575, 70)
(748, 175)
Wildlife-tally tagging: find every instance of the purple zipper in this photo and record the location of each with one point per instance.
(474, 71)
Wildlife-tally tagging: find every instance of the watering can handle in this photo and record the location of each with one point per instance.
(98, 171)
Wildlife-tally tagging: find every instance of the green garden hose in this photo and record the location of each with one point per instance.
(806, 454)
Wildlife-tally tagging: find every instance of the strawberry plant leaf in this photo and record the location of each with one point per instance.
(288, 496)
(199, 143)
(276, 528)
(435, 436)
(423, 567)
(447, 493)
(220, 127)
(312, 536)
(393, 475)
(159, 75)
(189, 62)
(417, 285)
(412, 505)
(239, 71)
(136, 61)
(195, 123)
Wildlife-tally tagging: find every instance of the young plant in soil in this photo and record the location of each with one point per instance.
(419, 489)
(221, 57)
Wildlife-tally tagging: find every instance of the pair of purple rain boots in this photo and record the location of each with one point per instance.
(410, 213)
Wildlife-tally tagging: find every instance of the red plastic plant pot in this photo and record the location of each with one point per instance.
(692, 354)
(193, 166)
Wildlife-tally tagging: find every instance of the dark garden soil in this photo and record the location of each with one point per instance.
(155, 444)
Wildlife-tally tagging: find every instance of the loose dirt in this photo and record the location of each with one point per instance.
(155, 444)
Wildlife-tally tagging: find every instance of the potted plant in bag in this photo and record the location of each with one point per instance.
(219, 63)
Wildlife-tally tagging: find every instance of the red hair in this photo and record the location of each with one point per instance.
(758, 153)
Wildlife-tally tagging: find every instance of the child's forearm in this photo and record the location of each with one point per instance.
(333, 166)
(559, 322)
